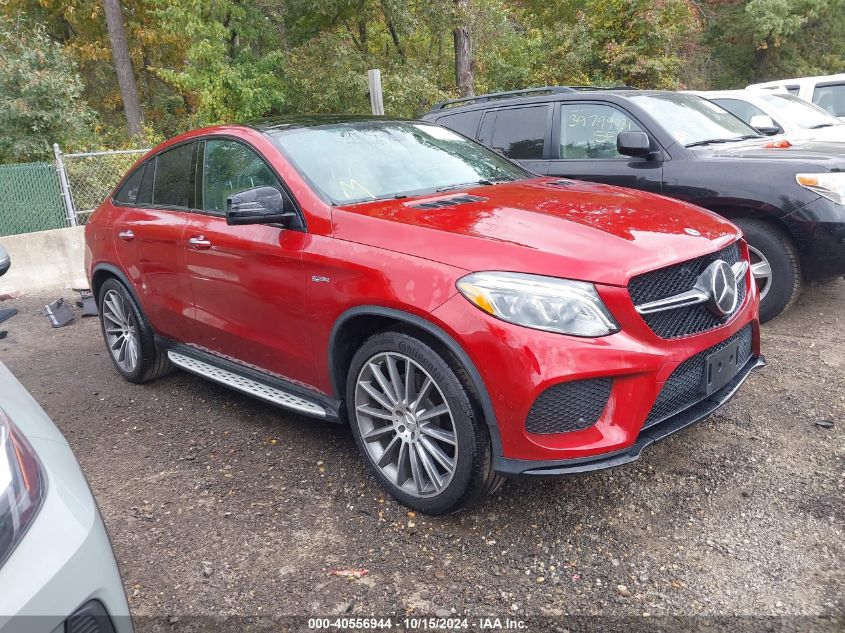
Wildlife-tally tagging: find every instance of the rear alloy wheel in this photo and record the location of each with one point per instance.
(417, 424)
(128, 336)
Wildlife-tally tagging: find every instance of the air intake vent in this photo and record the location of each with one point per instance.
(569, 406)
(447, 202)
(563, 182)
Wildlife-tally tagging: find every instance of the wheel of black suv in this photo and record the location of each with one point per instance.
(417, 425)
(775, 266)
(128, 335)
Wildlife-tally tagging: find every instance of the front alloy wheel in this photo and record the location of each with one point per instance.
(406, 424)
(415, 418)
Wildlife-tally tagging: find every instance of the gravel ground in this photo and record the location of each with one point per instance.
(218, 504)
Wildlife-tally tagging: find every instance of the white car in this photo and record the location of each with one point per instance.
(826, 91)
(57, 568)
(779, 113)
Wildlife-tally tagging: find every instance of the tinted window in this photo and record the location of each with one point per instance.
(589, 130)
(173, 177)
(128, 193)
(520, 132)
(145, 193)
(831, 98)
(742, 109)
(465, 123)
(230, 167)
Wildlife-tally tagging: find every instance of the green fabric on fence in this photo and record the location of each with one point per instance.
(30, 199)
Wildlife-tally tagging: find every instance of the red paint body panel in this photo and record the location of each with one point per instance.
(269, 297)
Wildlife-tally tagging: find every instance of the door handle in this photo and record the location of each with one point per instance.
(126, 236)
(199, 243)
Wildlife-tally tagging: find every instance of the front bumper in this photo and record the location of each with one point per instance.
(819, 232)
(518, 364)
(662, 430)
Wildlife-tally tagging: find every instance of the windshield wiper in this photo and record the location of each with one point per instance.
(821, 125)
(482, 182)
(732, 139)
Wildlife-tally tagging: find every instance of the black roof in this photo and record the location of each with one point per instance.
(313, 120)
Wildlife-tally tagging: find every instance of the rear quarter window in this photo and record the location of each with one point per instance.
(173, 176)
(128, 192)
(465, 123)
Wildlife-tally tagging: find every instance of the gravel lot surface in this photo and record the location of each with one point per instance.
(218, 504)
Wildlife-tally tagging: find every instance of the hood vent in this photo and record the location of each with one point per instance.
(563, 182)
(448, 202)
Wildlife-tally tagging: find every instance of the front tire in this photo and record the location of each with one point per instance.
(774, 265)
(128, 336)
(417, 425)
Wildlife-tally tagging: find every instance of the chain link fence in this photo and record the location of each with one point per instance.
(30, 199)
(43, 196)
(92, 175)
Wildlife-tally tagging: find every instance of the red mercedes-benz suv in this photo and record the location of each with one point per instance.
(469, 320)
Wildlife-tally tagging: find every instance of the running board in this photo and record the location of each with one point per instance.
(246, 385)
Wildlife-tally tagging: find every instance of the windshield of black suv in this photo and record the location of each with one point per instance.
(692, 120)
(802, 113)
(373, 160)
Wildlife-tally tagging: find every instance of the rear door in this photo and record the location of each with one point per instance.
(148, 237)
(584, 147)
(521, 133)
(247, 281)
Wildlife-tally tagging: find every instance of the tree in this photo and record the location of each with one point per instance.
(41, 93)
(464, 72)
(123, 66)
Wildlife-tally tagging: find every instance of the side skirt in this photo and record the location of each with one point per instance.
(251, 381)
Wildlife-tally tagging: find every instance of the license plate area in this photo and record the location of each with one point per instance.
(720, 367)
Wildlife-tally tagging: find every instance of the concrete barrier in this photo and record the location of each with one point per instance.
(45, 260)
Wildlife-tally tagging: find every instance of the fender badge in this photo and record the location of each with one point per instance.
(693, 232)
(317, 279)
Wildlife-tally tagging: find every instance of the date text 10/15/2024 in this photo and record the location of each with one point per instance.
(416, 624)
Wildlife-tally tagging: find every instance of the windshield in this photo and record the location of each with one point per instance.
(690, 119)
(370, 160)
(800, 112)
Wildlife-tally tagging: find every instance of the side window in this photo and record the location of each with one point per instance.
(740, 109)
(520, 132)
(230, 167)
(465, 123)
(173, 176)
(128, 193)
(793, 90)
(831, 97)
(589, 130)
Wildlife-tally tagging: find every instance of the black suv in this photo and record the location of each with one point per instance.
(788, 199)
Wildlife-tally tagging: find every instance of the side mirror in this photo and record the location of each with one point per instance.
(5, 261)
(764, 124)
(261, 205)
(633, 144)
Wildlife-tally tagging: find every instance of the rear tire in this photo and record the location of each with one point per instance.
(406, 450)
(129, 338)
(774, 264)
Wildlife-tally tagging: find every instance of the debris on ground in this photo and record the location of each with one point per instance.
(349, 573)
(58, 313)
(825, 424)
(7, 314)
(86, 302)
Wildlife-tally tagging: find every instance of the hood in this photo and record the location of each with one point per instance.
(547, 226)
(824, 154)
(832, 134)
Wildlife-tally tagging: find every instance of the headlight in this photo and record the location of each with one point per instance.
(831, 185)
(542, 303)
(22, 486)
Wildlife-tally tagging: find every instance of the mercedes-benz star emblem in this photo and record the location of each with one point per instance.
(719, 281)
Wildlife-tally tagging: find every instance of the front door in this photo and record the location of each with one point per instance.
(247, 281)
(584, 148)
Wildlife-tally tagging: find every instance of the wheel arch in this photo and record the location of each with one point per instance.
(357, 324)
(103, 272)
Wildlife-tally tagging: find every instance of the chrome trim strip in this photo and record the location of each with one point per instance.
(690, 297)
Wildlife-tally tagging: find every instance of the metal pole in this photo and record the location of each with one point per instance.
(64, 185)
(376, 97)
